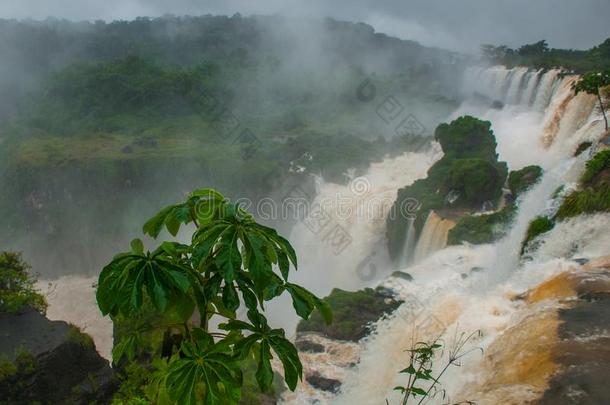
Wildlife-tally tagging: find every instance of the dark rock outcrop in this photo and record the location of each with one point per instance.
(51, 362)
(323, 383)
(353, 313)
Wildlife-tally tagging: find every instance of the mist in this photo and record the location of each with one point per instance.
(459, 26)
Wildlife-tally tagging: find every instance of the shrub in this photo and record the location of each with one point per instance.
(538, 226)
(17, 286)
(479, 229)
(596, 165)
(477, 180)
(583, 202)
(75, 335)
(521, 180)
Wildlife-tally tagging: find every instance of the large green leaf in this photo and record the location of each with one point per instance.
(261, 339)
(228, 258)
(205, 373)
(122, 282)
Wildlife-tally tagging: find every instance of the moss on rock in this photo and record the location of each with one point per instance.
(480, 229)
(537, 226)
(352, 314)
(521, 180)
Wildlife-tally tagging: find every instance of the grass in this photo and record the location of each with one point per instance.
(480, 229)
(597, 164)
(585, 202)
(537, 226)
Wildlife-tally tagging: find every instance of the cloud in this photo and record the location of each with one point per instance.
(460, 25)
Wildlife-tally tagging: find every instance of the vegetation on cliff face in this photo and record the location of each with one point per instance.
(467, 176)
(480, 229)
(538, 55)
(230, 255)
(593, 83)
(594, 193)
(592, 196)
(353, 312)
(537, 227)
(17, 286)
(521, 180)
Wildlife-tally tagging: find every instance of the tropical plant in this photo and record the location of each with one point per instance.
(593, 83)
(422, 384)
(229, 254)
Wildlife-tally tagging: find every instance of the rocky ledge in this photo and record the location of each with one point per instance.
(50, 362)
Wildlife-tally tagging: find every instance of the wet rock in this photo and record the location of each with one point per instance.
(583, 353)
(308, 346)
(353, 313)
(581, 260)
(323, 383)
(54, 362)
(402, 275)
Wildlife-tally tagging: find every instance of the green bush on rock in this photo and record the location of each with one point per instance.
(597, 164)
(480, 229)
(521, 180)
(469, 170)
(17, 286)
(594, 195)
(538, 226)
(477, 180)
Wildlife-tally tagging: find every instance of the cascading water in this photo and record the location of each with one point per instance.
(433, 236)
(468, 288)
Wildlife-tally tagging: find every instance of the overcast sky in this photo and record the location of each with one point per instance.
(454, 24)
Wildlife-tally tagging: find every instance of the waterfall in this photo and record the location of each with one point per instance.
(409, 245)
(544, 93)
(355, 215)
(447, 296)
(433, 237)
(530, 88)
(516, 85)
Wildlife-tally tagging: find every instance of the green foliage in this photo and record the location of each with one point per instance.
(478, 180)
(467, 137)
(537, 226)
(352, 314)
(469, 169)
(77, 336)
(421, 382)
(16, 375)
(521, 180)
(17, 286)
(229, 254)
(538, 55)
(119, 94)
(592, 82)
(25, 361)
(595, 165)
(585, 202)
(7, 369)
(480, 229)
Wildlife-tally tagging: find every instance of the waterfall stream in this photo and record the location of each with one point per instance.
(468, 288)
